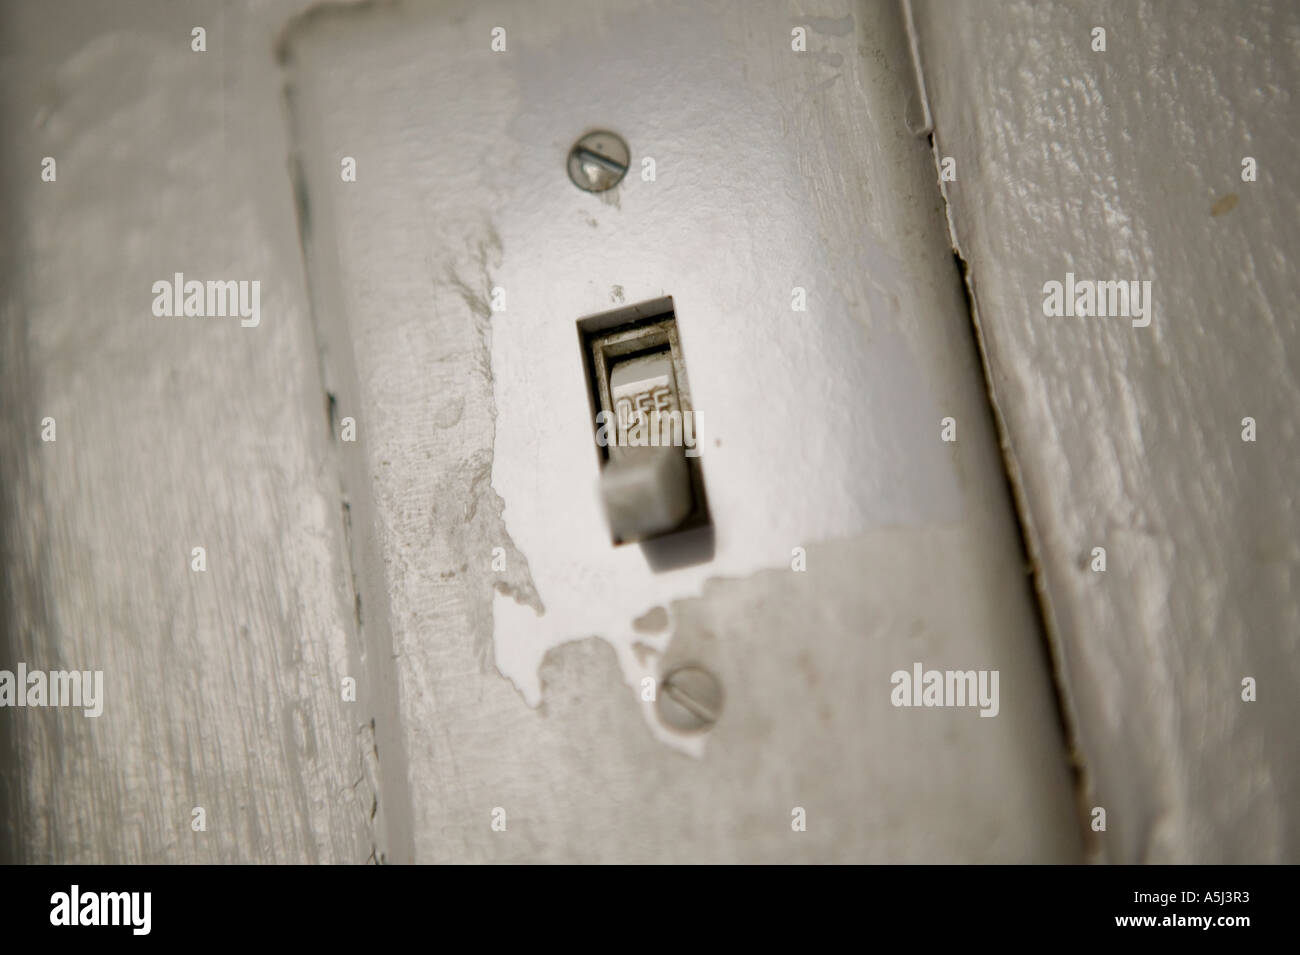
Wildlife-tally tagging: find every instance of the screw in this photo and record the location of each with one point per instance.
(598, 161)
(689, 699)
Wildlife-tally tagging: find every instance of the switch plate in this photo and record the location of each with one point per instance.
(775, 169)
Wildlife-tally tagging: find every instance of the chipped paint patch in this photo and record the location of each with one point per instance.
(1224, 205)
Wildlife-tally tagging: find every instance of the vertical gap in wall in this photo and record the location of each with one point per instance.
(1028, 550)
(388, 812)
(922, 122)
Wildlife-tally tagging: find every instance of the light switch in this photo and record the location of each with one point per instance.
(645, 428)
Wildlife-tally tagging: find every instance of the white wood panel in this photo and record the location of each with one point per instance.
(222, 688)
(1126, 164)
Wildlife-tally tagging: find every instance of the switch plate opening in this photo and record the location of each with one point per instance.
(630, 339)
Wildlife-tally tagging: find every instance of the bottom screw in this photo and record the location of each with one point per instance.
(689, 699)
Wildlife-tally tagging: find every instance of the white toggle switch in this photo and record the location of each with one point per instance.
(646, 485)
(647, 492)
(650, 478)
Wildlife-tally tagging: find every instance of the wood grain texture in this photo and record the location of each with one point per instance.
(222, 688)
(1127, 165)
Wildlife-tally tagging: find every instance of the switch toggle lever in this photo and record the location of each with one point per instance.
(645, 483)
(650, 478)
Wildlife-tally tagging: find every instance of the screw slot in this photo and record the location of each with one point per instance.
(689, 699)
(598, 161)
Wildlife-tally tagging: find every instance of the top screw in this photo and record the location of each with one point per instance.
(598, 161)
